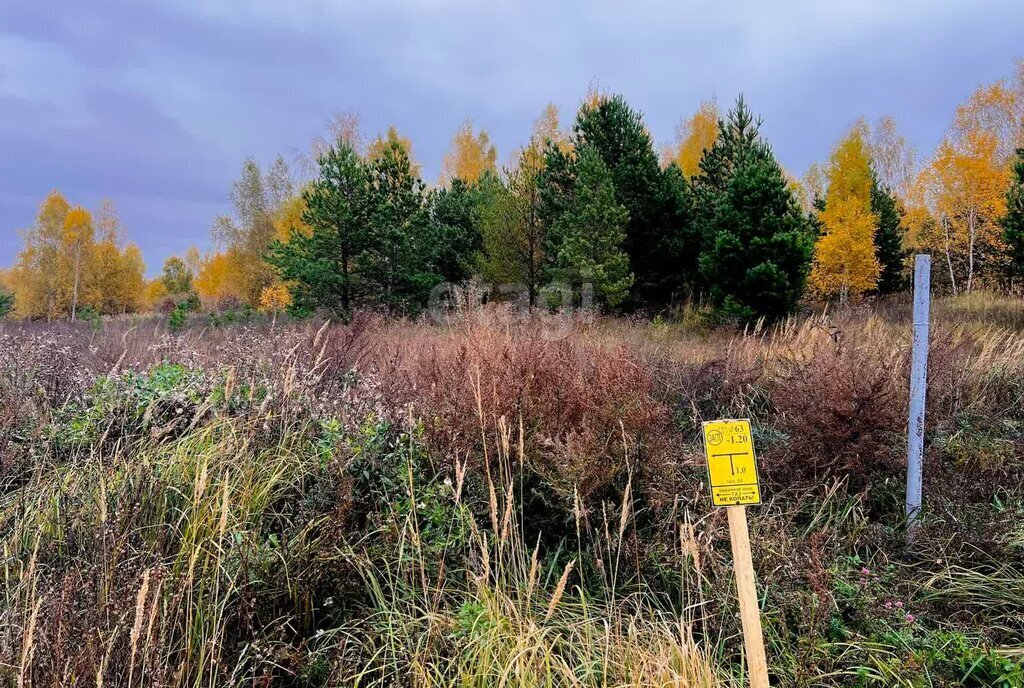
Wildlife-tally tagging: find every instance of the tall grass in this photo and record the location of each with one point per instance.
(520, 620)
(215, 553)
(503, 501)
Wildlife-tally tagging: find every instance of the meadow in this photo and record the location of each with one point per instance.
(505, 499)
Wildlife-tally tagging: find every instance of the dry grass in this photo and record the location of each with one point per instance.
(499, 501)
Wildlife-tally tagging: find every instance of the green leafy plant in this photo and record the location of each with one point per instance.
(178, 318)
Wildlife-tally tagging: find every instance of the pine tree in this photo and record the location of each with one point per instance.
(395, 269)
(455, 221)
(888, 239)
(319, 267)
(757, 241)
(659, 240)
(368, 238)
(1013, 220)
(589, 236)
(738, 139)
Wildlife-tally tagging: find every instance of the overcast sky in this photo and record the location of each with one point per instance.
(155, 105)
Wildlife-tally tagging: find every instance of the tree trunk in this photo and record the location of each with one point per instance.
(949, 259)
(972, 221)
(344, 275)
(74, 291)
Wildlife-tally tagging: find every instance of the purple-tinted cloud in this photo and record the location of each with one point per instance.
(155, 104)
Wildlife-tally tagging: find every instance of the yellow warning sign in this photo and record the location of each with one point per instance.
(731, 463)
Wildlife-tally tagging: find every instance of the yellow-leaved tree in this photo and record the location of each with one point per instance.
(694, 136)
(956, 200)
(36, 273)
(594, 97)
(78, 238)
(380, 144)
(546, 129)
(114, 277)
(64, 266)
(274, 299)
(845, 264)
(153, 294)
(471, 155)
(216, 283)
(288, 219)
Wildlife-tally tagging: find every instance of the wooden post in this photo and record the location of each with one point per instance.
(918, 386)
(750, 610)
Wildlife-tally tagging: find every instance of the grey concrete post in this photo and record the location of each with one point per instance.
(918, 386)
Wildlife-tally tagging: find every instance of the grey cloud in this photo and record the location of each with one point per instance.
(157, 103)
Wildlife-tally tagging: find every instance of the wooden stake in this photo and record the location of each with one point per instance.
(750, 611)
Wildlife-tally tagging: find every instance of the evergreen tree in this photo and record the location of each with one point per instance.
(455, 222)
(659, 240)
(320, 266)
(589, 236)
(888, 239)
(395, 269)
(1013, 220)
(369, 240)
(556, 182)
(673, 263)
(738, 139)
(757, 242)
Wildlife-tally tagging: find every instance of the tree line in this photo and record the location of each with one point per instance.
(74, 262)
(593, 210)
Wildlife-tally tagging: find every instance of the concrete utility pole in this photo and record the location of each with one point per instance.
(918, 386)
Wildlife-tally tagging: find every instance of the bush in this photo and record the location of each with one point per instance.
(6, 303)
(179, 317)
(842, 405)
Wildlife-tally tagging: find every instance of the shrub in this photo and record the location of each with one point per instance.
(588, 412)
(6, 303)
(179, 316)
(843, 405)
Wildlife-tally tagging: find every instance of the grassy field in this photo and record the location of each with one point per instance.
(505, 500)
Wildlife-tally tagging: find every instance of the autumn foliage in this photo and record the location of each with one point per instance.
(471, 155)
(68, 263)
(845, 264)
(694, 136)
(589, 206)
